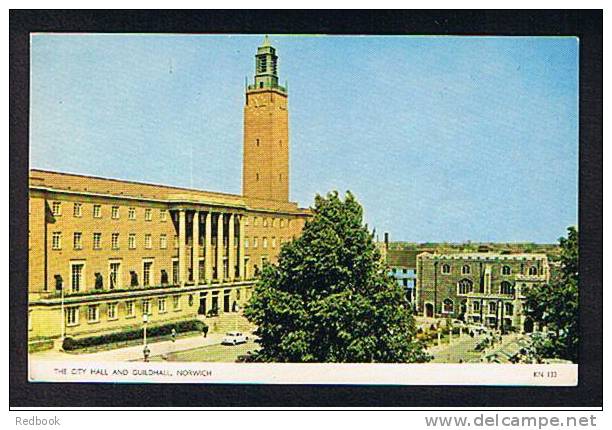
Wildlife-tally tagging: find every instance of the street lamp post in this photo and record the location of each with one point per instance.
(145, 350)
(63, 316)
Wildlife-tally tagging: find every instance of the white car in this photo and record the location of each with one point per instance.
(234, 338)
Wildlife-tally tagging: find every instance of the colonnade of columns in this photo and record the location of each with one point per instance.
(235, 254)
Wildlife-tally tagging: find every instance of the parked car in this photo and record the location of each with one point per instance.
(234, 338)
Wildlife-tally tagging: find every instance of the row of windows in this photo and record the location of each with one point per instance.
(466, 270)
(77, 241)
(56, 208)
(112, 309)
(115, 277)
(77, 211)
(264, 242)
(466, 286)
(394, 270)
(448, 307)
(268, 222)
(77, 275)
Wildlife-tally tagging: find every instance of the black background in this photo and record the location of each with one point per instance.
(587, 25)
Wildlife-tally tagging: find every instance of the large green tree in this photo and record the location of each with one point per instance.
(555, 305)
(329, 298)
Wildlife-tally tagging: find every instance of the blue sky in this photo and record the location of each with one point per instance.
(440, 138)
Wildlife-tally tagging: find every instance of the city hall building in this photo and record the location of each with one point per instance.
(103, 252)
(481, 288)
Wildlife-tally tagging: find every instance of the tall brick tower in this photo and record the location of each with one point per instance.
(265, 170)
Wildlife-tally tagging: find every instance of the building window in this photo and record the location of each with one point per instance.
(114, 275)
(176, 241)
(176, 303)
(56, 241)
(148, 215)
(255, 221)
(447, 306)
(246, 242)
(464, 286)
(132, 213)
(175, 272)
(161, 305)
(492, 307)
(147, 240)
(465, 270)
(533, 271)
(132, 241)
(77, 211)
(130, 309)
(476, 306)
(93, 313)
(163, 214)
(97, 211)
(254, 242)
(509, 309)
(56, 208)
(72, 315)
(147, 267)
(506, 288)
(76, 277)
(115, 240)
(97, 240)
(115, 212)
(77, 242)
(264, 242)
(506, 270)
(163, 241)
(201, 270)
(265, 222)
(246, 220)
(273, 242)
(146, 307)
(112, 311)
(446, 269)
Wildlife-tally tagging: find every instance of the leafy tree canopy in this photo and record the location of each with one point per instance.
(555, 305)
(329, 298)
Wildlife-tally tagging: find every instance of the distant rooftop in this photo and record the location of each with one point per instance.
(483, 256)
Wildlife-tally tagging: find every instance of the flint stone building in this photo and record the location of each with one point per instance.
(483, 288)
(107, 251)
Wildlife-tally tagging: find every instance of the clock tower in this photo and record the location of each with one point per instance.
(265, 172)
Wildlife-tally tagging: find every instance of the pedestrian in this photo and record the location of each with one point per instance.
(205, 330)
(173, 334)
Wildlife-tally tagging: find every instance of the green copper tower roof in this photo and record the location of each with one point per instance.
(266, 68)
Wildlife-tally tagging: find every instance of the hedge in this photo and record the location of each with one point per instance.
(70, 343)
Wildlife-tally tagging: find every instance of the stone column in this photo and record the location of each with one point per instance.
(195, 262)
(220, 246)
(231, 256)
(241, 259)
(181, 250)
(208, 245)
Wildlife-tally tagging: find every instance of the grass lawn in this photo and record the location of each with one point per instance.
(211, 353)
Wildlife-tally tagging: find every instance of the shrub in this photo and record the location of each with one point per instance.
(70, 344)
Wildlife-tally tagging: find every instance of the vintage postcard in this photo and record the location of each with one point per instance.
(296, 209)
